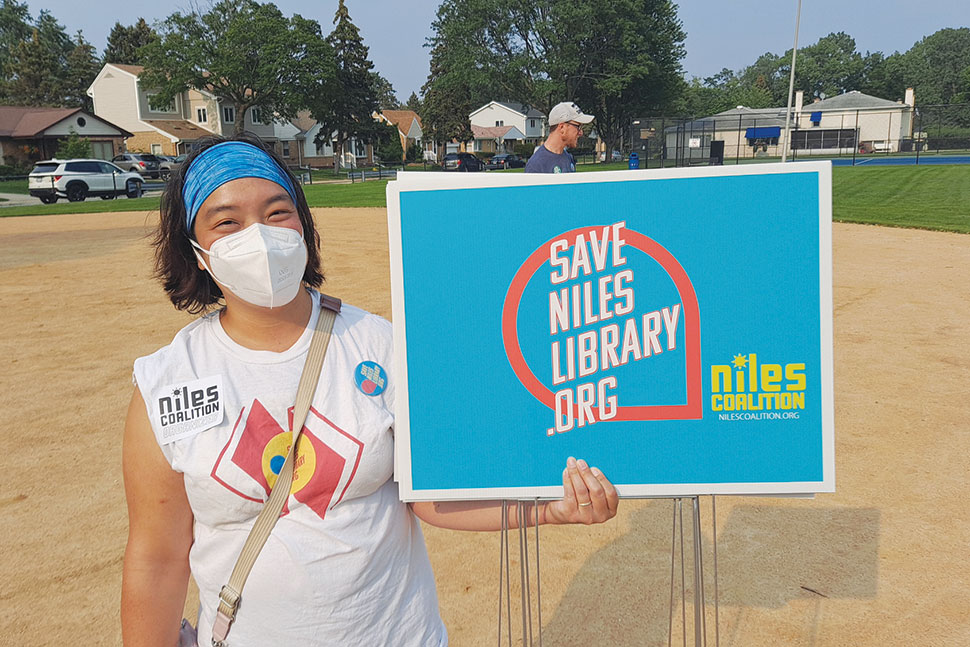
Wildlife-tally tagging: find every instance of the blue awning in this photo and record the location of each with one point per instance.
(763, 133)
(816, 117)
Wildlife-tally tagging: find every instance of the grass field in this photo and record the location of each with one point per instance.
(931, 197)
(13, 186)
(923, 197)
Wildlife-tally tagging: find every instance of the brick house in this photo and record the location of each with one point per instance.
(29, 133)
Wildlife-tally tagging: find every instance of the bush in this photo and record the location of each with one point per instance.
(524, 149)
(73, 147)
(14, 169)
(413, 153)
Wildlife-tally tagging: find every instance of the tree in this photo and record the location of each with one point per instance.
(414, 104)
(33, 73)
(124, 42)
(82, 66)
(246, 54)
(616, 59)
(934, 66)
(348, 112)
(15, 28)
(388, 144)
(73, 147)
(384, 91)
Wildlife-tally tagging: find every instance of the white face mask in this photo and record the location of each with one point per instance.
(261, 265)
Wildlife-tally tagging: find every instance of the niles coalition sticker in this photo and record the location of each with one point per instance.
(748, 388)
(187, 408)
(600, 319)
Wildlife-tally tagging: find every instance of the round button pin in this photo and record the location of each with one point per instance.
(371, 378)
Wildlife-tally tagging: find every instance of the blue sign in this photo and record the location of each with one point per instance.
(673, 328)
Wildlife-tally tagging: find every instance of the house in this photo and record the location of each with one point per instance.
(408, 125)
(499, 125)
(496, 139)
(30, 133)
(838, 125)
(166, 129)
(174, 128)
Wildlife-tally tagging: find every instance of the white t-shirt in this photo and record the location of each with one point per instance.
(346, 563)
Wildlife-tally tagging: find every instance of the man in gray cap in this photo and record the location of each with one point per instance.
(565, 126)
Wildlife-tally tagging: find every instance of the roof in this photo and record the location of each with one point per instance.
(178, 128)
(31, 121)
(496, 132)
(514, 107)
(521, 108)
(402, 118)
(853, 100)
(131, 69)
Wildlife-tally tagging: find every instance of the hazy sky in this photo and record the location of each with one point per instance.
(720, 33)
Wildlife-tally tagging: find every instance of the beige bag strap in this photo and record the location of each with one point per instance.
(231, 593)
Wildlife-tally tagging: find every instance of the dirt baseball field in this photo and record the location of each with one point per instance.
(883, 561)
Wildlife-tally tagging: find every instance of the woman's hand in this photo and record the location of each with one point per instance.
(588, 496)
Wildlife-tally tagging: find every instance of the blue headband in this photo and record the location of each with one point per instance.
(223, 163)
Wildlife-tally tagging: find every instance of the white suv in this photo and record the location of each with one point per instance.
(80, 178)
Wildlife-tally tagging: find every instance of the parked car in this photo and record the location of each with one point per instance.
(462, 162)
(505, 160)
(79, 178)
(616, 156)
(166, 164)
(143, 163)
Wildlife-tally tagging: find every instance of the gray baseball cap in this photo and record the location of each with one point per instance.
(568, 111)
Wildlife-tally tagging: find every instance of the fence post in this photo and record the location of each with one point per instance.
(737, 153)
(855, 146)
(919, 131)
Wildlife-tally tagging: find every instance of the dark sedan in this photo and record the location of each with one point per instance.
(505, 160)
(462, 162)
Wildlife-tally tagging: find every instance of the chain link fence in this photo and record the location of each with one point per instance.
(852, 136)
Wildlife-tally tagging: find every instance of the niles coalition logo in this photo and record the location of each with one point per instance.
(751, 389)
(188, 408)
(591, 283)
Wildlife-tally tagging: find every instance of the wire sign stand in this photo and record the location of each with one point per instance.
(531, 632)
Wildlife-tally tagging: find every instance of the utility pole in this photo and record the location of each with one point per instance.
(791, 85)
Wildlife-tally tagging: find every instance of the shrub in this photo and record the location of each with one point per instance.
(73, 147)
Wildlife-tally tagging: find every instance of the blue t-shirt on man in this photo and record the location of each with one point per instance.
(545, 161)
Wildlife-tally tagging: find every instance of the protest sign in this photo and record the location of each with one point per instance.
(673, 328)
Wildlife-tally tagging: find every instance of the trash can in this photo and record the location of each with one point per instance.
(634, 161)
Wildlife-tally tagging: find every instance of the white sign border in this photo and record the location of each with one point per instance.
(433, 181)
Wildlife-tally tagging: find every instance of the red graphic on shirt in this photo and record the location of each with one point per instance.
(324, 466)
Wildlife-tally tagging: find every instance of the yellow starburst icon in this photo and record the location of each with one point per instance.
(740, 361)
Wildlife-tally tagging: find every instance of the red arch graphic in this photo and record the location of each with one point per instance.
(692, 410)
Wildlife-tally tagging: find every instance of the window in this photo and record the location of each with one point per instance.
(499, 123)
(201, 116)
(322, 148)
(532, 123)
(360, 149)
(156, 105)
(286, 149)
(229, 114)
(156, 149)
(255, 116)
(102, 150)
(83, 167)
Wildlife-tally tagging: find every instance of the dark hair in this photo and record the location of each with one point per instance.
(188, 287)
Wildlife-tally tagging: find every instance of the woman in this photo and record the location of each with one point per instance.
(207, 427)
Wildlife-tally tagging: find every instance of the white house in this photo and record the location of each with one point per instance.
(521, 124)
(834, 126)
(167, 129)
(174, 128)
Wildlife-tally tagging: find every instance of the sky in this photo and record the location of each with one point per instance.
(720, 33)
